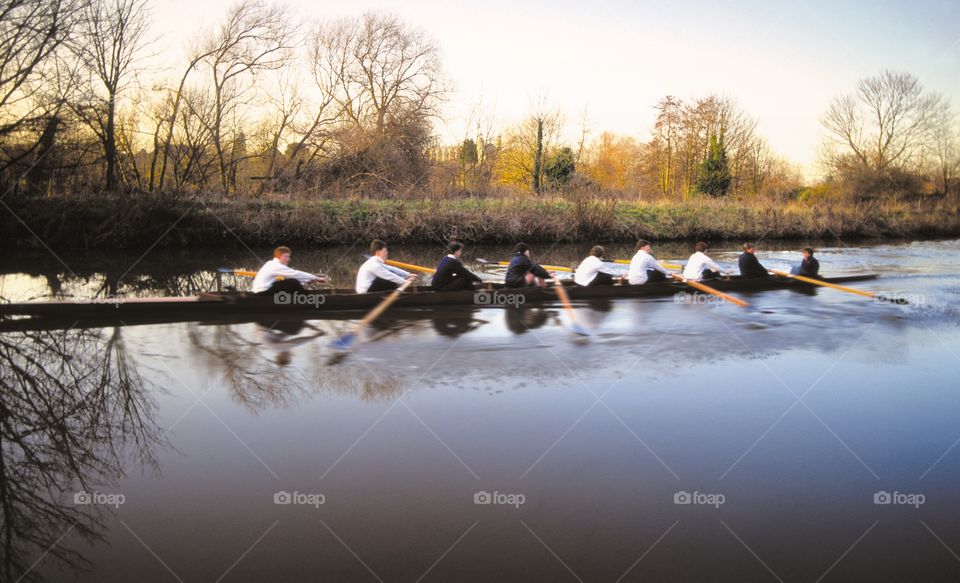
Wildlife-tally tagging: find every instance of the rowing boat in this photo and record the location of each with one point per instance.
(333, 303)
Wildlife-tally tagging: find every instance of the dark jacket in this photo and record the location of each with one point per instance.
(520, 265)
(451, 269)
(750, 266)
(810, 267)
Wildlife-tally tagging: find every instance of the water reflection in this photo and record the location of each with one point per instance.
(75, 414)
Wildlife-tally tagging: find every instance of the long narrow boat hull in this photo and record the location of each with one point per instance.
(339, 303)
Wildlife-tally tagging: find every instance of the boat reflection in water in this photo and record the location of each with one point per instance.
(76, 415)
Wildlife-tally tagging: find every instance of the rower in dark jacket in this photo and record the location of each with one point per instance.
(749, 264)
(809, 267)
(522, 271)
(451, 275)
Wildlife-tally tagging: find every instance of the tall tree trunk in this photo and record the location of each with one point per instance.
(538, 158)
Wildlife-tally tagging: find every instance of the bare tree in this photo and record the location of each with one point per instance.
(376, 67)
(113, 35)
(883, 125)
(31, 33)
(387, 84)
(255, 37)
(946, 147)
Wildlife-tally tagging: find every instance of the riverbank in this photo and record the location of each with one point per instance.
(142, 221)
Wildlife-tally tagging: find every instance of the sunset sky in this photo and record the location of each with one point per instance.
(781, 61)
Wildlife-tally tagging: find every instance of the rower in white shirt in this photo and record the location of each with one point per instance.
(276, 275)
(644, 267)
(593, 271)
(375, 275)
(699, 266)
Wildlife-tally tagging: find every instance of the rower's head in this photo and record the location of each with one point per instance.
(807, 252)
(455, 248)
(597, 251)
(378, 247)
(282, 254)
(522, 249)
(644, 245)
(701, 247)
(749, 248)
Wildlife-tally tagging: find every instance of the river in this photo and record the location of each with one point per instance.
(813, 436)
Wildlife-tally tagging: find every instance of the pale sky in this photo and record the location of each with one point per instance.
(781, 61)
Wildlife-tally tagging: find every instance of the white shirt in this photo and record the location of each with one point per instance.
(273, 269)
(588, 269)
(375, 267)
(696, 264)
(640, 264)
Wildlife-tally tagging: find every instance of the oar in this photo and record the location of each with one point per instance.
(851, 290)
(710, 290)
(241, 272)
(409, 266)
(575, 326)
(506, 263)
(346, 341)
(663, 263)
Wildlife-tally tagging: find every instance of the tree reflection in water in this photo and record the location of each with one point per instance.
(258, 365)
(74, 416)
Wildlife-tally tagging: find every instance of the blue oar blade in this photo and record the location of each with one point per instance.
(345, 342)
(578, 329)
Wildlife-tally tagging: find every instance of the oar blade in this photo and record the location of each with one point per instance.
(578, 329)
(345, 342)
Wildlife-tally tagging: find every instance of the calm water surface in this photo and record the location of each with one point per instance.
(681, 442)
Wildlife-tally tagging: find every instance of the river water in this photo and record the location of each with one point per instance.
(813, 436)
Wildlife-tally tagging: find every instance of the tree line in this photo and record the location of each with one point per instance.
(268, 103)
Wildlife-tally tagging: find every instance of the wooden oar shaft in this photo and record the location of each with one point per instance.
(824, 283)
(409, 266)
(710, 290)
(565, 300)
(663, 263)
(382, 306)
(547, 267)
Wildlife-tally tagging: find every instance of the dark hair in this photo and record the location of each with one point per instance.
(808, 250)
(376, 245)
(642, 243)
(521, 248)
(597, 251)
(279, 251)
(454, 246)
(747, 246)
(701, 247)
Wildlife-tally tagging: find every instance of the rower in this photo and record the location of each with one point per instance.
(451, 275)
(592, 271)
(276, 275)
(524, 272)
(809, 267)
(375, 275)
(699, 266)
(644, 267)
(749, 264)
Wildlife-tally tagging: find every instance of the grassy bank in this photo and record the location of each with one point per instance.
(140, 221)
